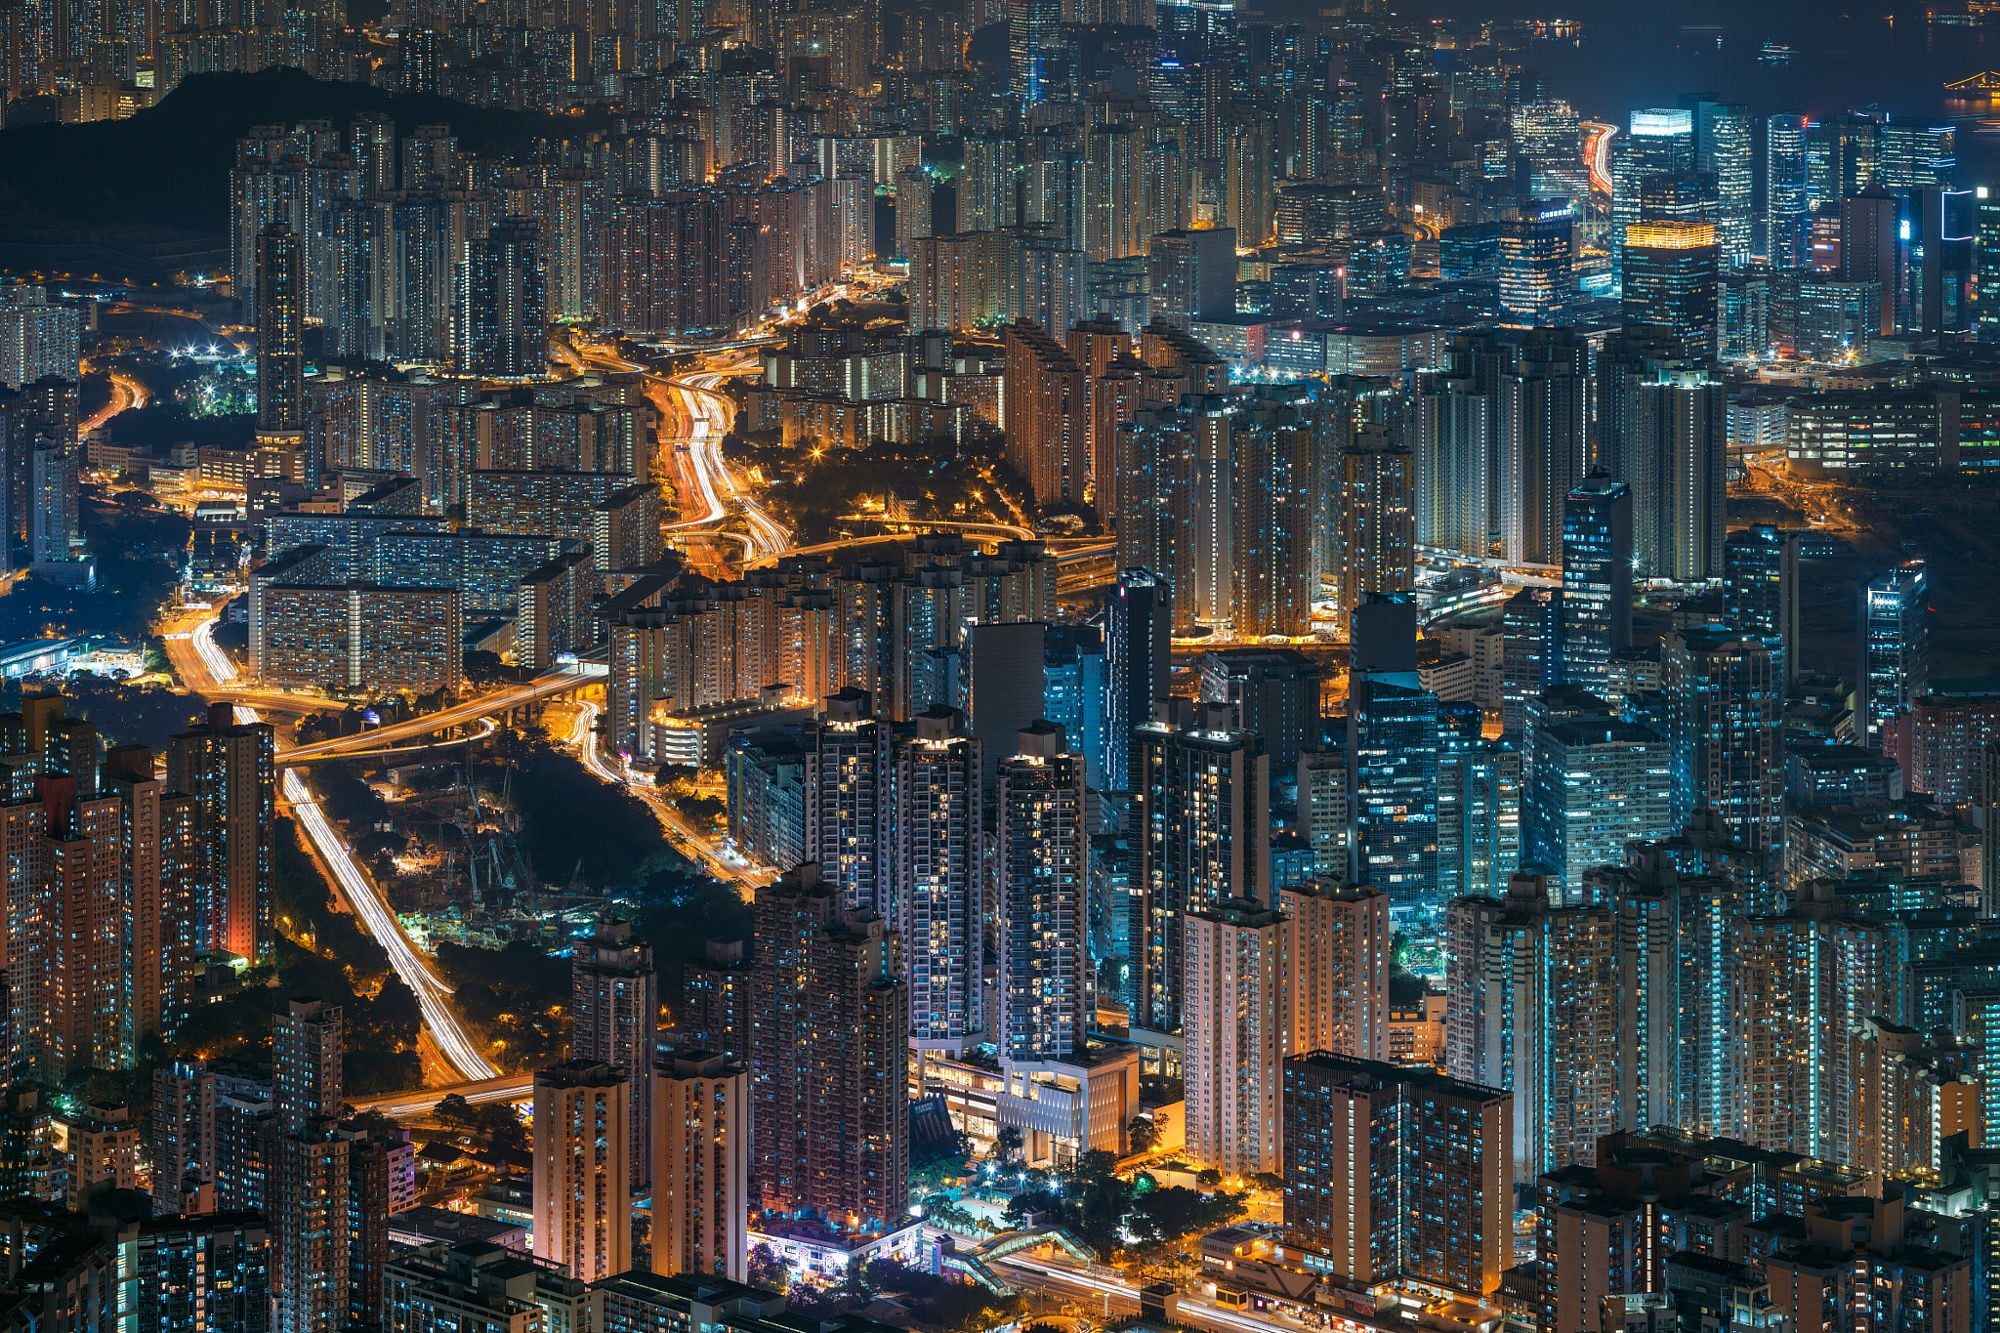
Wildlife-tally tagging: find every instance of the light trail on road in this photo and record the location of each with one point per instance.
(361, 895)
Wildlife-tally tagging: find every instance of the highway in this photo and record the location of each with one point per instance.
(126, 393)
(684, 836)
(211, 667)
(509, 1088)
(1108, 1286)
(559, 680)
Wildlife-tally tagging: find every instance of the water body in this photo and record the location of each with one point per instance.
(1851, 55)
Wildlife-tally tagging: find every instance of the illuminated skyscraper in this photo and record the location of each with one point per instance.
(1724, 697)
(1237, 1016)
(1671, 284)
(1479, 804)
(1034, 49)
(1392, 1172)
(848, 797)
(1596, 605)
(1392, 757)
(1138, 627)
(281, 323)
(1204, 836)
(1544, 413)
(37, 338)
(1537, 262)
(1659, 142)
(1663, 430)
(1724, 149)
(829, 1053)
(1374, 529)
(1893, 668)
(1786, 220)
(615, 1020)
(501, 316)
(309, 1183)
(1760, 583)
(1044, 900)
(230, 769)
(1598, 782)
(1337, 955)
(1532, 1004)
(583, 1160)
(701, 1165)
(938, 825)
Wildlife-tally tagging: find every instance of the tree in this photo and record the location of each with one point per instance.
(1144, 1132)
(1008, 1142)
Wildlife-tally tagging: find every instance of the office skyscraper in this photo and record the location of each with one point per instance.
(1596, 605)
(1785, 237)
(1138, 630)
(940, 868)
(1479, 803)
(615, 1020)
(1725, 151)
(1671, 284)
(281, 323)
(1034, 49)
(701, 1165)
(1724, 697)
(1237, 1016)
(1392, 757)
(583, 1162)
(1397, 1172)
(1537, 263)
(1204, 836)
(829, 1117)
(1044, 871)
(1658, 142)
(1893, 669)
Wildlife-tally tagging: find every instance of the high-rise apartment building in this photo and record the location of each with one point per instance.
(1044, 869)
(829, 1116)
(848, 793)
(500, 315)
(1394, 1172)
(1337, 987)
(940, 871)
(1374, 529)
(615, 1020)
(701, 1165)
(1138, 628)
(37, 337)
(281, 323)
(1235, 1015)
(230, 770)
(1724, 694)
(583, 1164)
(1204, 836)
